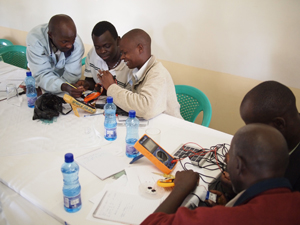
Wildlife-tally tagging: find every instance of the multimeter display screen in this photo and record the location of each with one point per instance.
(150, 145)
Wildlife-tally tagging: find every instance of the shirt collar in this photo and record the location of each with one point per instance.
(138, 73)
(52, 46)
(103, 65)
(262, 186)
(54, 49)
(233, 201)
(294, 149)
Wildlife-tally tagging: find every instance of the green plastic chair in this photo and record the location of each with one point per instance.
(192, 101)
(14, 55)
(83, 61)
(5, 43)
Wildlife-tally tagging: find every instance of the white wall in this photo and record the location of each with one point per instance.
(258, 39)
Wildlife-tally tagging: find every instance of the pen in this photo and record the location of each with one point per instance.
(73, 86)
(93, 114)
(136, 158)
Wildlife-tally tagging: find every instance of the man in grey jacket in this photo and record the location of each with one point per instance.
(54, 53)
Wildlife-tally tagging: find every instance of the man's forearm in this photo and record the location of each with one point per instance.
(185, 183)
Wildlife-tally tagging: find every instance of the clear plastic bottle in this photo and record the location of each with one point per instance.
(110, 122)
(30, 89)
(132, 134)
(71, 188)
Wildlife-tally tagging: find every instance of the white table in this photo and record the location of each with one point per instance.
(14, 209)
(10, 74)
(31, 154)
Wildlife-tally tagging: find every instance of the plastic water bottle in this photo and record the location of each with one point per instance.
(71, 188)
(110, 122)
(132, 134)
(30, 89)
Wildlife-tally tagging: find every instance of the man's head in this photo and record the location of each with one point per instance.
(257, 152)
(106, 40)
(62, 32)
(135, 48)
(274, 104)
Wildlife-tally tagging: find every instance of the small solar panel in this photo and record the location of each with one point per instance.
(196, 155)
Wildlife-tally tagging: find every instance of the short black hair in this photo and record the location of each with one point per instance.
(271, 99)
(104, 26)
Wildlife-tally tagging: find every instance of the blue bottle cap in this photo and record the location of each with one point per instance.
(28, 74)
(69, 157)
(131, 113)
(109, 99)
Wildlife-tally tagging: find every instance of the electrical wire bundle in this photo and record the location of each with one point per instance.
(214, 158)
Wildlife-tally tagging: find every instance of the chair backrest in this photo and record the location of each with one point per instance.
(83, 61)
(5, 42)
(14, 55)
(192, 101)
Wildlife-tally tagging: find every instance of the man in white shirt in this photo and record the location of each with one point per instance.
(105, 55)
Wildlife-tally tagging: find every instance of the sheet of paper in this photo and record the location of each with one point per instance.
(125, 208)
(120, 183)
(103, 162)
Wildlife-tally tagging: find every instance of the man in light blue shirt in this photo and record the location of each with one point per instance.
(54, 53)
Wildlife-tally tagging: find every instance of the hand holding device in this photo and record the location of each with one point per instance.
(73, 91)
(168, 180)
(106, 78)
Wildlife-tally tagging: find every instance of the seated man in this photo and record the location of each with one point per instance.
(258, 158)
(153, 90)
(105, 55)
(274, 104)
(54, 53)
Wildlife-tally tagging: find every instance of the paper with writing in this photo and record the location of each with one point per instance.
(125, 208)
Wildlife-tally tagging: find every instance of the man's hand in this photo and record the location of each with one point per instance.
(185, 183)
(106, 78)
(225, 179)
(221, 199)
(227, 186)
(82, 83)
(76, 93)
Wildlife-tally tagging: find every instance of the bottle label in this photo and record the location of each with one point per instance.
(72, 202)
(110, 133)
(31, 100)
(131, 150)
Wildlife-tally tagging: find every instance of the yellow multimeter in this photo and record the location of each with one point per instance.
(156, 154)
(77, 104)
(167, 182)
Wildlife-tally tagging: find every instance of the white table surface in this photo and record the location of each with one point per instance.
(32, 152)
(10, 74)
(14, 210)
